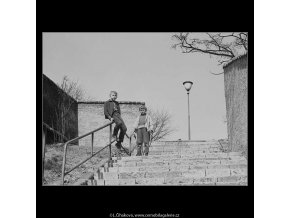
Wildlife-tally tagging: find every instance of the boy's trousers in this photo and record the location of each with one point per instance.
(142, 136)
(120, 125)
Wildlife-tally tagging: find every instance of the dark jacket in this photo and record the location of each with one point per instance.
(109, 109)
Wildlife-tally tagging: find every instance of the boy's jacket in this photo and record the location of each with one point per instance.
(148, 123)
(109, 108)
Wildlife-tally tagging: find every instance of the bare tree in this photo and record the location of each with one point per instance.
(224, 46)
(69, 92)
(161, 124)
(73, 89)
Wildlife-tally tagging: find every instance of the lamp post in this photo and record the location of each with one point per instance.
(187, 85)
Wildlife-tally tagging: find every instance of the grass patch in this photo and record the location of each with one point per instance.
(75, 154)
(54, 163)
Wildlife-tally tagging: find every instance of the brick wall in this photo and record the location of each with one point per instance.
(236, 94)
(91, 116)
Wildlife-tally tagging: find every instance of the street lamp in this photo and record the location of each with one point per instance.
(187, 85)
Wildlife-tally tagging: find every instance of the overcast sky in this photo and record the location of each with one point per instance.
(142, 67)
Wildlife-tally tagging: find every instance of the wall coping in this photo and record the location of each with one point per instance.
(120, 102)
(235, 59)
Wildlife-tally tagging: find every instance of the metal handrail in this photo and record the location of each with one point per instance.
(63, 173)
(52, 129)
(130, 143)
(131, 150)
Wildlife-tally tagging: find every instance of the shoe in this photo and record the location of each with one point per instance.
(118, 145)
(146, 150)
(138, 151)
(126, 150)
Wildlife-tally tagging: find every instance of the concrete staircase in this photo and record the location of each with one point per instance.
(175, 163)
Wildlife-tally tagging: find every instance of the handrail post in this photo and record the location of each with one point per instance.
(130, 144)
(43, 154)
(110, 140)
(63, 163)
(92, 143)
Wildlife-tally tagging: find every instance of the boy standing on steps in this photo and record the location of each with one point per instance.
(144, 127)
(113, 113)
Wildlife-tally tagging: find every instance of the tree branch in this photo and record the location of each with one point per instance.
(215, 45)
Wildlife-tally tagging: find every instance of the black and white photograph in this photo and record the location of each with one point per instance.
(145, 108)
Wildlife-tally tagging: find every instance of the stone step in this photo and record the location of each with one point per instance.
(167, 173)
(225, 180)
(153, 148)
(178, 161)
(176, 158)
(174, 152)
(179, 155)
(173, 167)
(232, 155)
(184, 143)
(189, 153)
(181, 152)
(163, 148)
(213, 150)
